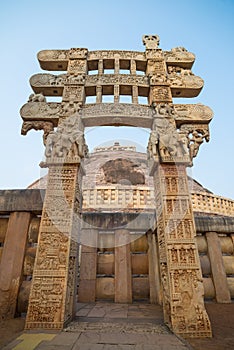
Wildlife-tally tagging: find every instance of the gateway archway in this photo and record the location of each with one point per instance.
(177, 131)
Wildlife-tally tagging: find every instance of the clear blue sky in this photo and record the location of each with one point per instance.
(203, 27)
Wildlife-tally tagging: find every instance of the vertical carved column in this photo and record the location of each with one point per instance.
(135, 94)
(99, 94)
(116, 65)
(12, 262)
(181, 277)
(54, 278)
(100, 67)
(116, 93)
(157, 71)
(133, 67)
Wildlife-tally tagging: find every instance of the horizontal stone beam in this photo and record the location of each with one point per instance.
(53, 85)
(21, 200)
(217, 224)
(57, 60)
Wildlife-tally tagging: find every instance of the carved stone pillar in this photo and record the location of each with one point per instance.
(123, 271)
(133, 67)
(99, 94)
(100, 67)
(135, 94)
(12, 262)
(182, 286)
(116, 66)
(53, 291)
(116, 93)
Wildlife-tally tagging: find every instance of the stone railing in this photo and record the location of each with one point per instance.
(212, 204)
(112, 198)
(127, 198)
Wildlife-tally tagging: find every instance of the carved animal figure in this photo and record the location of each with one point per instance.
(37, 98)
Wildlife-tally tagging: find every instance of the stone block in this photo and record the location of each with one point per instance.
(88, 239)
(3, 228)
(227, 245)
(33, 230)
(230, 281)
(139, 244)
(87, 291)
(21, 200)
(209, 290)
(140, 264)
(23, 297)
(140, 288)
(229, 264)
(106, 242)
(205, 265)
(105, 288)
(1, 250)
(106, 264)
(88, 266)
(201, 244)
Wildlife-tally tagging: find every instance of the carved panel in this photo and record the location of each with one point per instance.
(160, 94)
(77, 66)
(111, 79)
(40, 110)
(45, 79)
(112, 54)
(73, 93)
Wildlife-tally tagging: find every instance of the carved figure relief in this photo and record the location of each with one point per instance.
(67, 140)
(151, 41)
(38, 125)
(37, 98)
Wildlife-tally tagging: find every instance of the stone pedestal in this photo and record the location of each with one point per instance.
(182, 286)
(12, 262)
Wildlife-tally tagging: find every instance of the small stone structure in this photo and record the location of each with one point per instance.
(169, 261)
